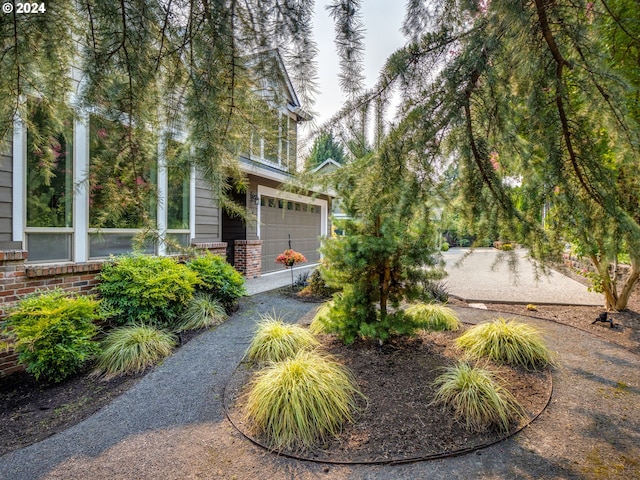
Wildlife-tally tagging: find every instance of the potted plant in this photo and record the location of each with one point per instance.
(289, 258)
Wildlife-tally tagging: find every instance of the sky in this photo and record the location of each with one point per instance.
(382, 20)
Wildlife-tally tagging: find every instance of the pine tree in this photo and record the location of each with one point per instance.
(325, 147)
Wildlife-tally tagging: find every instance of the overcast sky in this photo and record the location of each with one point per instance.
(383, 19)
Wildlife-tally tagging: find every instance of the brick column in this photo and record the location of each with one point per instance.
(217, 248)
(248, 257)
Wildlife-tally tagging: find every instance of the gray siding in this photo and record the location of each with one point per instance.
(6, 200)
(207, 215)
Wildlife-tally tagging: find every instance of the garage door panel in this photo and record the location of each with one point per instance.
(278, 223)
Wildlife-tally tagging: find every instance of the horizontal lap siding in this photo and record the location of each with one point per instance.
(6, 200)
(207, 215)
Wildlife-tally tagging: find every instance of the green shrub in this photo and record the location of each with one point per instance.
(445, 246)
(276, 340)
(476, 398)
(317, 285)
(133, 348)
(52, 333)
(203, 311)
(301, 400)
(141, 289)
(433, 317)
(434, 290)
(510, 342)
(350, 317)
(219, 279)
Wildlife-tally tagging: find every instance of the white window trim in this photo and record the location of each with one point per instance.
(81, 189)
(19, 179)
(272, 192)
(162, 187)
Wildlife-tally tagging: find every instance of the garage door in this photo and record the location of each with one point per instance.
(280, 218)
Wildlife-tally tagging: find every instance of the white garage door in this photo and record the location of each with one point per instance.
(280, 219)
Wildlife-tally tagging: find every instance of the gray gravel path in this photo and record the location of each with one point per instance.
(481, 277)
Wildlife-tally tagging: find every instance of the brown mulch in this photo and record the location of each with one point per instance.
(626, 324)
(398, 421)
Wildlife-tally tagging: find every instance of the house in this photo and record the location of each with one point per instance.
(48, 233)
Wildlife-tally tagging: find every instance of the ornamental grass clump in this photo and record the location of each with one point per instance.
(301, 400)
(476, 398)
(433, 317)
(511, 343)
(202, 311)
(318, 324)
(276, 340)
(133, 348)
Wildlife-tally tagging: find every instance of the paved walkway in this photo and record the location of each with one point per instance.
(485, 275)
(171, 425)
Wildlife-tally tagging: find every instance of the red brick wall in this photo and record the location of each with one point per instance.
(248, 257)
(217, 248)
(18, 279)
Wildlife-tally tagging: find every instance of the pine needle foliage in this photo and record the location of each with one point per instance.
(508, 342)
(276, 340)
(301, 400)
(133, 348)
(202, 311)
(433, 317)
(476, 398)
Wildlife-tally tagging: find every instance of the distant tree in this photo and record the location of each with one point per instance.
(325, 146)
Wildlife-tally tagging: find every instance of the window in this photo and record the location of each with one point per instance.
(179, 174)
(49, 169)
(49, 184)
(121, 191)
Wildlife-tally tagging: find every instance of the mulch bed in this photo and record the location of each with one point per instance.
(398, 422)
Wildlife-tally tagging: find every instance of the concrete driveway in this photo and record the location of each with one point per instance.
(485, 275)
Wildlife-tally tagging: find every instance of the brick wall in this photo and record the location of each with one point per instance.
(18, 279)
(217, 248)
(248, 257)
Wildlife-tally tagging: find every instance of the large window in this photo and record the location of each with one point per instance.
(122, 186)
(49, 184)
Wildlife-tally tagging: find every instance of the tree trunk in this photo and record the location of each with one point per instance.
(628, 286)
(384, 289)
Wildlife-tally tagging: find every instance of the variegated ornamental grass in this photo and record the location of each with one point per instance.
(318, 324)
(476, 398)
(276, 340)
(133, 348)
(301, 400)
(202, 311)
(434, 317)
(508, 342)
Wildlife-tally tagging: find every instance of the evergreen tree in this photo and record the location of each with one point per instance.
(324, 147)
